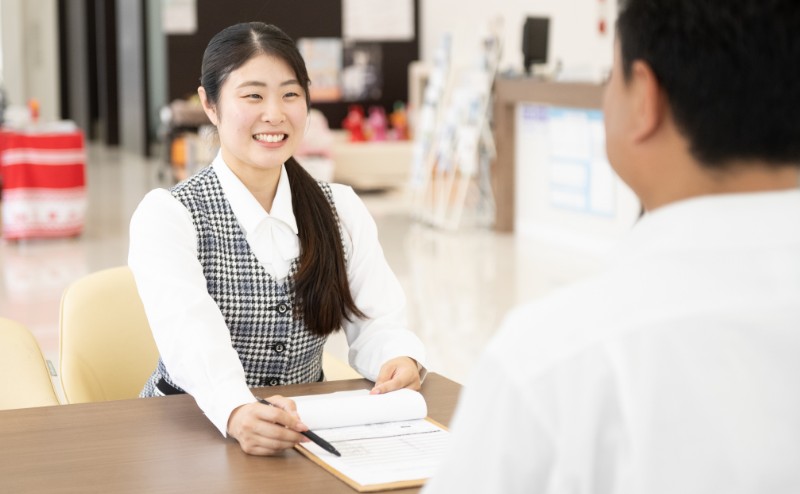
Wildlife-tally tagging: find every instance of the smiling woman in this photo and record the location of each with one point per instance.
(247, 267)
(260, 113)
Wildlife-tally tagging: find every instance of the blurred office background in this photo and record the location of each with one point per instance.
(123, 70)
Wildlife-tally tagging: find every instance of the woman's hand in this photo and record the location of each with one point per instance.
(398, 373)
(265, 430)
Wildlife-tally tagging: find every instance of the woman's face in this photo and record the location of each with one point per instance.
(260, 115)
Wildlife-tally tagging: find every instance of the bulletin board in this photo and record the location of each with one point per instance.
(573, 197)
(299, 19)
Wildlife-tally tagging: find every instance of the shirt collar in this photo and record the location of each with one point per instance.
(245, 207)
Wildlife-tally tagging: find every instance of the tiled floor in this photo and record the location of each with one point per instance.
(458, 284)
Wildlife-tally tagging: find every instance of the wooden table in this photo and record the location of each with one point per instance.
(160, 445)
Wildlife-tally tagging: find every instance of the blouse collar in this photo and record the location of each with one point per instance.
(245, 206)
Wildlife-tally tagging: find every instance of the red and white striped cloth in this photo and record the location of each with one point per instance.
(44, 184)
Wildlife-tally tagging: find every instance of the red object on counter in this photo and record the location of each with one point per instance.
(354, 122)
(43, 184)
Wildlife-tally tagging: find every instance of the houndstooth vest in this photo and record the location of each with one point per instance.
(274, 344)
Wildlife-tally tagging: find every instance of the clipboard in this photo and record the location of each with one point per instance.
(342, 469)
(387, 441)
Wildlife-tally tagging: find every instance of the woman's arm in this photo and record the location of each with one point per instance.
(381, 346)
(188, 327)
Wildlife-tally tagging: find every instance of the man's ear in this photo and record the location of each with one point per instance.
(210, 110)
(648, 101)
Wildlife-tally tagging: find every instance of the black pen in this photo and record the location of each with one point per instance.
(315, 438)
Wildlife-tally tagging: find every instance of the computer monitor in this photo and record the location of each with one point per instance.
(535, 35)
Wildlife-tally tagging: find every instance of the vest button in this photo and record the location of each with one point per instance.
(282, 308)
(273, 382)
(280, 347)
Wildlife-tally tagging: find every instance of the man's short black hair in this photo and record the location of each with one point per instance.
(730, 69)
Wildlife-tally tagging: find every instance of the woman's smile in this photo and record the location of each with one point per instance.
(271, 139)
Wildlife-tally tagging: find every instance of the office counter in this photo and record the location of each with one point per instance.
(508, 94)
(164, 445)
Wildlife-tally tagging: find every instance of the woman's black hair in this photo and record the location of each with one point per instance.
(321, 286)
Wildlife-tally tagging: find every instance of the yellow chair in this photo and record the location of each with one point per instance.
(107, 351)
(24, 379)
(336, 369)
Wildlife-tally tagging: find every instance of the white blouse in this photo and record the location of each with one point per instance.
(188, 327)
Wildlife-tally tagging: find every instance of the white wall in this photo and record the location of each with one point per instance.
(30, 54)
(574, 35)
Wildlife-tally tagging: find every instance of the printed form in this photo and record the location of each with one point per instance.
(382, 455)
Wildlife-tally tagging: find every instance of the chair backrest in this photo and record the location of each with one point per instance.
(24, 379)
(107, 351)
(336, 369)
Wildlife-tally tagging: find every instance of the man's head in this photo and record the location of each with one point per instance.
(724, 73)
